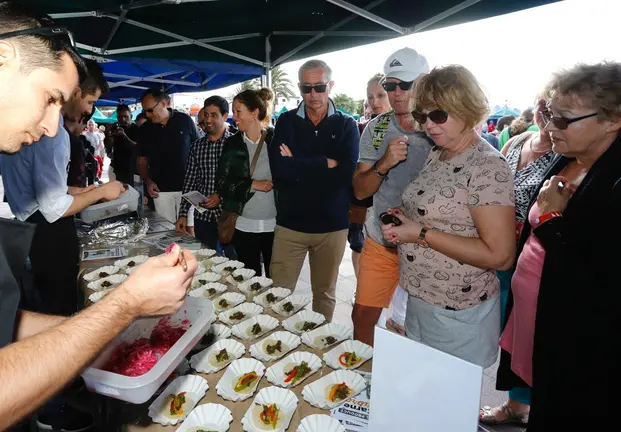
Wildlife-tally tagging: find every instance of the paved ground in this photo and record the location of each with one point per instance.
(345, 289)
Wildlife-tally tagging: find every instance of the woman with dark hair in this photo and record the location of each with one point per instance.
(244, 180)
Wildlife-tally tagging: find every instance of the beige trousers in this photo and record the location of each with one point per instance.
(325, 256)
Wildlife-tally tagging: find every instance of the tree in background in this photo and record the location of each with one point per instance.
(345, 103)
(252, 84)
(281, 85)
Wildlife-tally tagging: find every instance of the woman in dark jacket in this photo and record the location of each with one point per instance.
(250, 195)
(559, 333)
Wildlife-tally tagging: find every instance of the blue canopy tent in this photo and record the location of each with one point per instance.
(99, 117)
(504, 112)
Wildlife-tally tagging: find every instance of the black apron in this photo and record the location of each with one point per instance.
(15, 239)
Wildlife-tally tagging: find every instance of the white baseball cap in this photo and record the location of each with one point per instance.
(405, 65)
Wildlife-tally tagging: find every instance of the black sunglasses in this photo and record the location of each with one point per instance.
(319, 88)
(150, 110)
(53, 33)
(391, 86)
(562, 123)
(436, 116)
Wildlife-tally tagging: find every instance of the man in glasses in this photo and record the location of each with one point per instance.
(163, 149)
(392, 153)
(41, 354)
(313, 156)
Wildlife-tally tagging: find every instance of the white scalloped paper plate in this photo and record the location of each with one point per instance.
(221, 268)
(207, 277)
(297, 300)
(266, 322)
(284, 399)
(315, 338)
(138, 259)
(200, 269)
(214, 261)
(95, 274)
(210, 417)
(220, 331)
(195, 387)
(280, 293)
(289, 342)
(96, 296)
(294, 323)
(316, 393)
(239, 367)
(243, 272)
(277, 373)
(246, 287)
(233, 299)
(362, 350)
(204, 361)
(248, 309)
(204, 290)
(203, 253)
(320, 423)
(114, 280)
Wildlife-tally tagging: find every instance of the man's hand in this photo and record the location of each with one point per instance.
(285, 151)
(262, 185)
(111, 191)
(332, 163)
(158, 287)
(396, 153)
(212, 202)
(153, 190)
(182, 224)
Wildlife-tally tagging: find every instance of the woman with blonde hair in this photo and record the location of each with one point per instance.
(244, 180)
(457, 224)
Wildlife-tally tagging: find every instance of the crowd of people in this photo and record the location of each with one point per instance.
(511, 251)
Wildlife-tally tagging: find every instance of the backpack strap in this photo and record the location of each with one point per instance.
(380, 129)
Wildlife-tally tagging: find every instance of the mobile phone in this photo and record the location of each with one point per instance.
(388, 219)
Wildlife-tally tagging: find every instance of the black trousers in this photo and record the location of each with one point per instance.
(250, 247)
(54, 255)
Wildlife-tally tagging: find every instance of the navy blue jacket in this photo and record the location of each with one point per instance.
(310, 197)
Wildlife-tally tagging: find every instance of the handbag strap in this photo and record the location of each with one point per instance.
(255, 159)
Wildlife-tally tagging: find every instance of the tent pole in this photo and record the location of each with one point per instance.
(266, 80)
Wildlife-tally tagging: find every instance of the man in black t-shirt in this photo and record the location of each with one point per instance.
(163, 148)
(122, 138)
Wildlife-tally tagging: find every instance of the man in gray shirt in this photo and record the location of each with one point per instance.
(392, 153)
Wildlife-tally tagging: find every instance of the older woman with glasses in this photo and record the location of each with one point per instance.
(559, 336)
(457, 224)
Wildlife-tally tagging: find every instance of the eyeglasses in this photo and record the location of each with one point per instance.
(319, 88)
(561, 123)
(391, 86)
(436, 116)
(150, 110)
(54, 33)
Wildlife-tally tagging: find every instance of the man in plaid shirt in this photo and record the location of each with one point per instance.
(201, 172)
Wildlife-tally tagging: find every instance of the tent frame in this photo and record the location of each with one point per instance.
(267, 63)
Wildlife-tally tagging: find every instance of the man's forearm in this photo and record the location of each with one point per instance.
(31, 323)
(366, 181)
(35, 369)
(83, 200)
(143, 170)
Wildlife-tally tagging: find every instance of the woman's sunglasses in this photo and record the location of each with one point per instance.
(391, 86)
(319, 88)
(561, 123)
(436, 116)
(56, 34)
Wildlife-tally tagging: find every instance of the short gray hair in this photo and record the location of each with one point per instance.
(315, 64)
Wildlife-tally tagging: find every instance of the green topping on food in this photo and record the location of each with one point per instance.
(238, 278)
(106, 284)
(271, 298)
(222, 356)
(308, 325)
(255, 286)
(223, 303)
(237, 316)
(271, 349)
(288, 307)
(131, 264)
(103, 275)
(256, 329)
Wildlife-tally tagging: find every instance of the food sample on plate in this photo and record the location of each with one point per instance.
(295, 373)
(325, 341)
(199, 429)
(106, 284)
(274, 347)
(271, 298)
(268, 417)
(288, 307)
(176, 405)
(256, 286)
(210, 293)
(237, 316)
(220, 358)
(349, 359)
(245, 383)
(337, 392)
(131, 264)
(255, 330)
(230, 269)
(138, 357)
(305, 326)
(103, 275)
(223, 304)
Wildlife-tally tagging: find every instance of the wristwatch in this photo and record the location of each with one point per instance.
(421, 238)
(377, 171)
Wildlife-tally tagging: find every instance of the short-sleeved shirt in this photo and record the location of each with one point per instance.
(389, 193)
(441, 198)
(167, 148)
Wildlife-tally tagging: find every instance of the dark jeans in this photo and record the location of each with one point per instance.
(207, 233)
(54, 255)
(250, 247)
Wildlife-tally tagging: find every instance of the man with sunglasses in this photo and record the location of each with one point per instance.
(392, 153)
(41, 354)
(312, 156)
(164, 148)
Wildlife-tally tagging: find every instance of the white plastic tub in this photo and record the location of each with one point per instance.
(126, 203)
(140, 389)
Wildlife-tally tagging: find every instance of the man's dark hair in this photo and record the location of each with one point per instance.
(37, 51)
(504, 121)
(219, 102)
(94, 80)
(157, 94)
(123, 107)
(142, 116)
